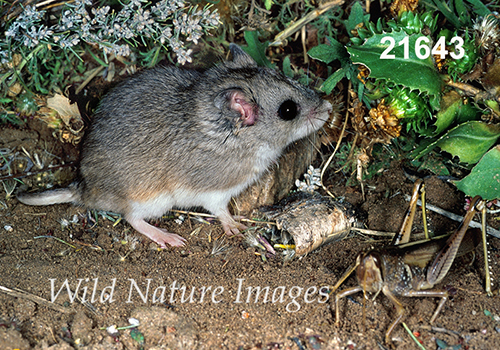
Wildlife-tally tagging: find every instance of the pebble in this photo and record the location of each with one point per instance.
(133, 321)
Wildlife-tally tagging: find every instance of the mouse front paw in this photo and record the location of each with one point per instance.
(232, 227)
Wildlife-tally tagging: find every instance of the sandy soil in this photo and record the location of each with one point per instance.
(200, 300)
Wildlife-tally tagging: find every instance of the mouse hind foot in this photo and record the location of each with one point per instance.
(158, 235)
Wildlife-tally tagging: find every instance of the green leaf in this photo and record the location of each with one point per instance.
(356, 17)
(333, 80)
(469, 141)
(423, 148)
(453, 110)
(446, 117)
(441, 344)
(324, 53)
(268, 4)
(287, 67)
(329, 53)
(256, 49)
(484, 179)
(461, 10)
(468, 112)
(447, 12)
(435, 165)
(479, 8)
(411, 72)
(137, 335)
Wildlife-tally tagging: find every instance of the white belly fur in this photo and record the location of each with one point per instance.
(214, 201)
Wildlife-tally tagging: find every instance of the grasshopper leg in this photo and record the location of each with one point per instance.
(403, 236)
(430, 294)
(341, 295)
(400, 310)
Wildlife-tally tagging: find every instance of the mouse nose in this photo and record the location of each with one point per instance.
(328, 106)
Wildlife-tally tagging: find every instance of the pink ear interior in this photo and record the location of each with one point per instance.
(247, 110)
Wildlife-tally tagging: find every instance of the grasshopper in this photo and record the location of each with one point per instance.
(411, 269)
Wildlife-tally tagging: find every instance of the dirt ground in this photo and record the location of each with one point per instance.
(112, 267)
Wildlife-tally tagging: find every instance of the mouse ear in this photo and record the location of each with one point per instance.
(240, 58)
(237, 101)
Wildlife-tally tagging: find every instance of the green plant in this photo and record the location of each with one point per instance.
(43, 56)
(415, 75)
(257, 49)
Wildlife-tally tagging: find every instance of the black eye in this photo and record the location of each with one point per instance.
(288, 110)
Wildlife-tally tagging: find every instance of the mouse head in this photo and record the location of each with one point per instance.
(262, 103)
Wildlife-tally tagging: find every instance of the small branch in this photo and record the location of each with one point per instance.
(192, 213)
(439, 330)
(295, 27)
(36, 299)
(456, 217)
(20, 176)
(472, 91)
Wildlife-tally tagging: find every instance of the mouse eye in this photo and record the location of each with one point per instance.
(288, 110)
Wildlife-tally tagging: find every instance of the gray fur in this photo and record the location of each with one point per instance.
(169, 130)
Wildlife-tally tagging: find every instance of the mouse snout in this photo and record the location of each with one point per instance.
(319, 115)
(327, 106)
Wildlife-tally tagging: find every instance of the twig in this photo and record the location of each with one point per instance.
(18, 293)
(475, 224)
(89, 306)
(372, 232)
(381, 347)
(93, 246)
(57, 239)
(281, 37)
(47, 2)
(469, 291)
(213, 216)
(331, 157)
(90, 77)
(472, 91)
(19, 176)
(439, 330)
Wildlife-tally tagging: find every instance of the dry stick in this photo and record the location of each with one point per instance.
(43, 3)
(20, 176)
(90, 77)
(485, 252)
(472, 91)
(36, 299)
(372, 232)
(339, 141)
(475, 224)
(281, 37)
(440, 330)
(89, 306)
(93, 75)
(304, 48)
(213, 216)
(49, 4)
